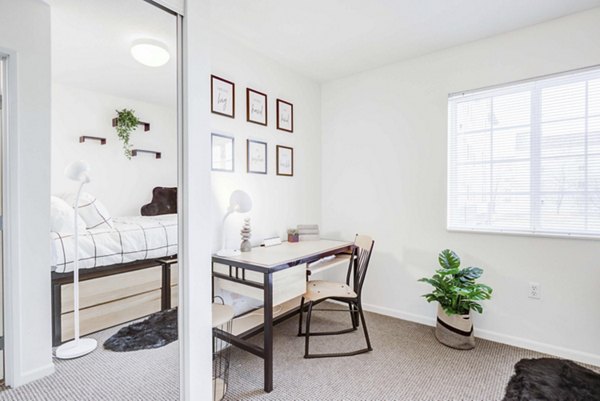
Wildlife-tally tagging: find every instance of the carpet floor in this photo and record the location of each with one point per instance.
(407, 364)
(146, 375)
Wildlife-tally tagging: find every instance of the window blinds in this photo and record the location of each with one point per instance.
(525, 157)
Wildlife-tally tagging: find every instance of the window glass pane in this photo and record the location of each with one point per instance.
(473, 178)
(593, 215)
(563, 174)
(593, 177)
(473, 147)
(473, 115)
(594, 97)
(471, 211)
(563, 101)
(511, 144)
(511, 177)
(563, 212)
(510, 211)
(512, 110)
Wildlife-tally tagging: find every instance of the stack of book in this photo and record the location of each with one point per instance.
(308, 232)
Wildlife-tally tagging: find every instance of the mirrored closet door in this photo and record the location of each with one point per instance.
(114, 176)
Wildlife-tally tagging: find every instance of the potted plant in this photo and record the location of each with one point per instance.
(126, 123)
(457, 295)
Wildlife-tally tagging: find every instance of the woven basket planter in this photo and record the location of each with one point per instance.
(455, 331)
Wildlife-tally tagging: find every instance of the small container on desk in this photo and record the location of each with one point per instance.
(293, 236)
(222, 316)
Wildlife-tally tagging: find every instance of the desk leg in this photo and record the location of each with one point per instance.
(268, 333)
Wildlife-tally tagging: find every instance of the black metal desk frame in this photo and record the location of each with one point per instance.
(237, 274)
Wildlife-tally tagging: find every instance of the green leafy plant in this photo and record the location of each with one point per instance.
(126, 123)
(454, 288)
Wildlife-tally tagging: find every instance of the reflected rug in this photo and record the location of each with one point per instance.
(156, 331)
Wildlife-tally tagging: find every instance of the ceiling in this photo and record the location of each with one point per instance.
(328, 39)
(321, 39)
(91, 43)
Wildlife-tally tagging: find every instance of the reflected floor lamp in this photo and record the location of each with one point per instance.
(239, 202)
(77, 171)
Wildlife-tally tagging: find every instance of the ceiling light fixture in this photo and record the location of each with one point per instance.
(151, 53)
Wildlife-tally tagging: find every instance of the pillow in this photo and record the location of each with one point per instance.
(62, 216)
(92, 211)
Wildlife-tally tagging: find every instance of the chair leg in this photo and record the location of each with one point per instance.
(353, 315)
(307, 334)
(362, 318)
(300, 320)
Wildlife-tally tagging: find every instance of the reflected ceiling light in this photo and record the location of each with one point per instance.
(151, 53)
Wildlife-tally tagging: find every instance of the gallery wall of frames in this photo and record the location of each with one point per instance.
(256, 102)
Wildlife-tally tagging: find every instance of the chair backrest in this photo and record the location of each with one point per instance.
(361, 256)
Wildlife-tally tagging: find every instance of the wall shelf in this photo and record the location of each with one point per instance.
(134, 152)
(92, 138)
(144, 124)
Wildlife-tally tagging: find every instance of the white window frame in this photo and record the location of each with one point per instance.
(534, 159)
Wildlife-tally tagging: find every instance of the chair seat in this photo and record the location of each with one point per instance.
(319, 289)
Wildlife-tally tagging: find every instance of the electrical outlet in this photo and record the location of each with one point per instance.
(534, 290)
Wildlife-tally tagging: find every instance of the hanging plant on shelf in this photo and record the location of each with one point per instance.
(126, 123)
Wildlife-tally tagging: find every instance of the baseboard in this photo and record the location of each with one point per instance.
(520, 342)
(32, 375)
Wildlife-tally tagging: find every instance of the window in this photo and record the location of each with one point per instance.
(525, 157)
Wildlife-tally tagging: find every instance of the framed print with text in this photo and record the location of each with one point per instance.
(256, 157)
(285, 161)
(285, 116)
(256, 107)
(222, 153)
(222, 96)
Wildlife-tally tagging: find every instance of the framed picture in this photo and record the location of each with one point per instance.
(256, 157)
(285, 116)
(222, 153)
(256, 107)
(285, 161)
(222, 96)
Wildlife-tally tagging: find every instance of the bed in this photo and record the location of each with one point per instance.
(127, 271)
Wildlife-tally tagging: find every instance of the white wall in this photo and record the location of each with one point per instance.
(279, 202)
(195, 240)
(384, 173)
(25, 34)
(123, 185)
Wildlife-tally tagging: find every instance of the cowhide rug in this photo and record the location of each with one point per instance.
(553, 380)
(156, 331)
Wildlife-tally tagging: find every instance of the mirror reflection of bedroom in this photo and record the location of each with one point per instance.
(114, 160)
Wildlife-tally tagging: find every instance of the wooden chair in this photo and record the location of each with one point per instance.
(350, 293)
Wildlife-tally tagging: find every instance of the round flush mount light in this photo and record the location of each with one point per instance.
(150, 53)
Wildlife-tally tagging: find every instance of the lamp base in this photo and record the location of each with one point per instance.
(228, 252)
(75, 349)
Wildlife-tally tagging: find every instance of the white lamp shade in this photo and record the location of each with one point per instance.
(78, 171)
(240, 202)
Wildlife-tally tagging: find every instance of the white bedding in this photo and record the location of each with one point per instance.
(131, 239)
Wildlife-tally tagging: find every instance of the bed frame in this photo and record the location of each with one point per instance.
(116, 294)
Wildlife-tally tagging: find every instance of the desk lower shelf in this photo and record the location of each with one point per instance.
(253, 321)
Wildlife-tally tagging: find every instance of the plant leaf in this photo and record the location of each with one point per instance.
(448, 259)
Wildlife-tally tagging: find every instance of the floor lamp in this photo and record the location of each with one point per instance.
(239, 202)
(77, 171)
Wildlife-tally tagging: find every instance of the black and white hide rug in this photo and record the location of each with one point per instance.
(553, 380)
(156, 331)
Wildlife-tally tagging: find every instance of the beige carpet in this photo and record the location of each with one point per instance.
(407, 364)
(148, 375)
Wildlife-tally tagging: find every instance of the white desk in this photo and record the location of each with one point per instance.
(266, 261)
